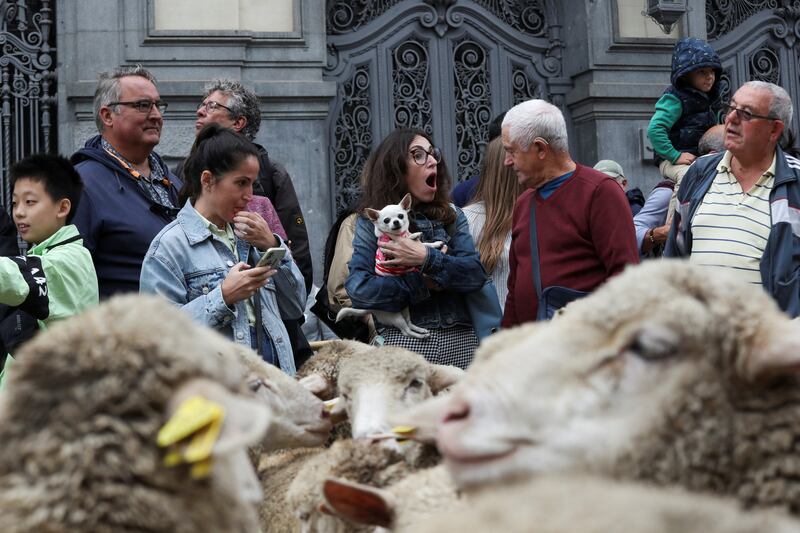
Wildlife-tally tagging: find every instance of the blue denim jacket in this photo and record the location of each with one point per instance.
(456, 272)
(186, 264)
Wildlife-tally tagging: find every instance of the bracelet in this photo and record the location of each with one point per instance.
(652, 240)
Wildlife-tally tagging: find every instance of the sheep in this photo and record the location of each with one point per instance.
(359, 461)
(82, 411)
(593, 505)
(320, 372)
(374, 383)
(298, 417)
(398, 507)
(670, 373)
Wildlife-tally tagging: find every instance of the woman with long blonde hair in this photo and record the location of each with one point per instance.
(490, 212)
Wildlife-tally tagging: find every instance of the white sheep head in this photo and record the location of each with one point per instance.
(386, 381)
(299, 418)
(575, 394)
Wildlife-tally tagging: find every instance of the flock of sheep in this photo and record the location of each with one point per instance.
(667, 401)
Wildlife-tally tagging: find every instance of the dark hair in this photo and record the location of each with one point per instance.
(384, 177)
(58, 176)
(218, 150)
(242, 103)
(495, 127)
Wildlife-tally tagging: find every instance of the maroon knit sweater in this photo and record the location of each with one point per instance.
(585, 233)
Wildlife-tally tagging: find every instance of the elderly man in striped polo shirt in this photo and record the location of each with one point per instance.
(740, 209)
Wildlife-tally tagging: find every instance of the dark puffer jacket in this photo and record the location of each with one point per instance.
(700, 110)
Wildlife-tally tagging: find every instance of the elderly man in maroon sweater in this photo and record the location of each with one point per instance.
(584, 227)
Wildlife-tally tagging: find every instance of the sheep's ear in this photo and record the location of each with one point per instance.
(776, 353)
(317, 384)
(360, 504)
(424, 418)
(245, 420)
(443, 376)
(405, 203)
(372, 214)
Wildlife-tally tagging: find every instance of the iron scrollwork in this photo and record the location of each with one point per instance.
(473, 104)
(723, 16)
(524, 87)
(27, 81)
(344, 16)
(353, 136)
(525, 16)
(411, 86)
(764, 65)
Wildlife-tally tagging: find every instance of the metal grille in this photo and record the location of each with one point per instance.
(723, 16)
(429, 64)
(27, 83)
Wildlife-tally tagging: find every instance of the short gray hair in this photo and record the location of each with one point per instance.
(108, 89)
(536, 118)
(242, 101)
(780, 106)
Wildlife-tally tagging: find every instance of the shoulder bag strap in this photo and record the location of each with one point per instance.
(537, 280)
(257, 308)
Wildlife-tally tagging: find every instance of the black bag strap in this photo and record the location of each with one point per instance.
(257, 306)
(537, 280)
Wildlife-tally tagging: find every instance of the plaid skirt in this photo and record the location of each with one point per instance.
(446, 346)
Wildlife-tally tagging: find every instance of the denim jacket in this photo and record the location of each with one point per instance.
(457, 272)
(187, 264)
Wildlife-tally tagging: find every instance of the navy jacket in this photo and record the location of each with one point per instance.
(116, 219)
(780, 264)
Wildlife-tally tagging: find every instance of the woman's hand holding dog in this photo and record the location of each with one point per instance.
(252, 228)
(243, 281)
(405, 252)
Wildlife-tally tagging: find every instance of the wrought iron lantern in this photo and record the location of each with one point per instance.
(665, 13)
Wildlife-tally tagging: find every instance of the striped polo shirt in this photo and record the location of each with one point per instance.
(731, 226)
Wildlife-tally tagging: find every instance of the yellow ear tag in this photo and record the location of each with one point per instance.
(329, 405)
(404, 430)
(199, 421)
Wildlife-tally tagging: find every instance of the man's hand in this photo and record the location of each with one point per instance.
(685, 159)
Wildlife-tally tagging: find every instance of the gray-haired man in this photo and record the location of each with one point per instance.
(232, 105)
(129, 194)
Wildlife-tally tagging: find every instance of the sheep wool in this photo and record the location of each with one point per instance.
(79, 419)
(594, 505)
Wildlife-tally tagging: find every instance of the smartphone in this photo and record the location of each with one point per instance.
(272, 257)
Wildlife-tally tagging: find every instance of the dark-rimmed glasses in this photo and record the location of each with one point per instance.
(420, 155)
(211, 105)
(144, 106)
(745, 115)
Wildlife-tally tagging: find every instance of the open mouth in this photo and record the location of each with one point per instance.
(430, 181)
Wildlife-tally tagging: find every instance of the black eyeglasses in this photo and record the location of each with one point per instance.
(745, 115)
(421, 156)
(144, 106)
(211, 105)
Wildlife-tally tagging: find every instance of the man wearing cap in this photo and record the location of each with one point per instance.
(613, 169)
(574, 215)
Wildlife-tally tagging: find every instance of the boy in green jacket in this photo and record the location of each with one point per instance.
(56, 279)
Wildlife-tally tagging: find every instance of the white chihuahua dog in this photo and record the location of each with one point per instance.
(391, 221)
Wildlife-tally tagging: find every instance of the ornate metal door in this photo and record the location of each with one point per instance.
(445, 66)
(27, 84)
(758, 40)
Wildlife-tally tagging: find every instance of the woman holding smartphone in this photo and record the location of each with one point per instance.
(206, 260)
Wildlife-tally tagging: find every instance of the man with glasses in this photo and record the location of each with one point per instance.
(740, 209)
(129, 194)
(232, 105)
(574, 218)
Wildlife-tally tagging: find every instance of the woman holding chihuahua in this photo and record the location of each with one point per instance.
(434, 279)
(207, 260)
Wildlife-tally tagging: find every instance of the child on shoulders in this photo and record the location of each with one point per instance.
(688, 107)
